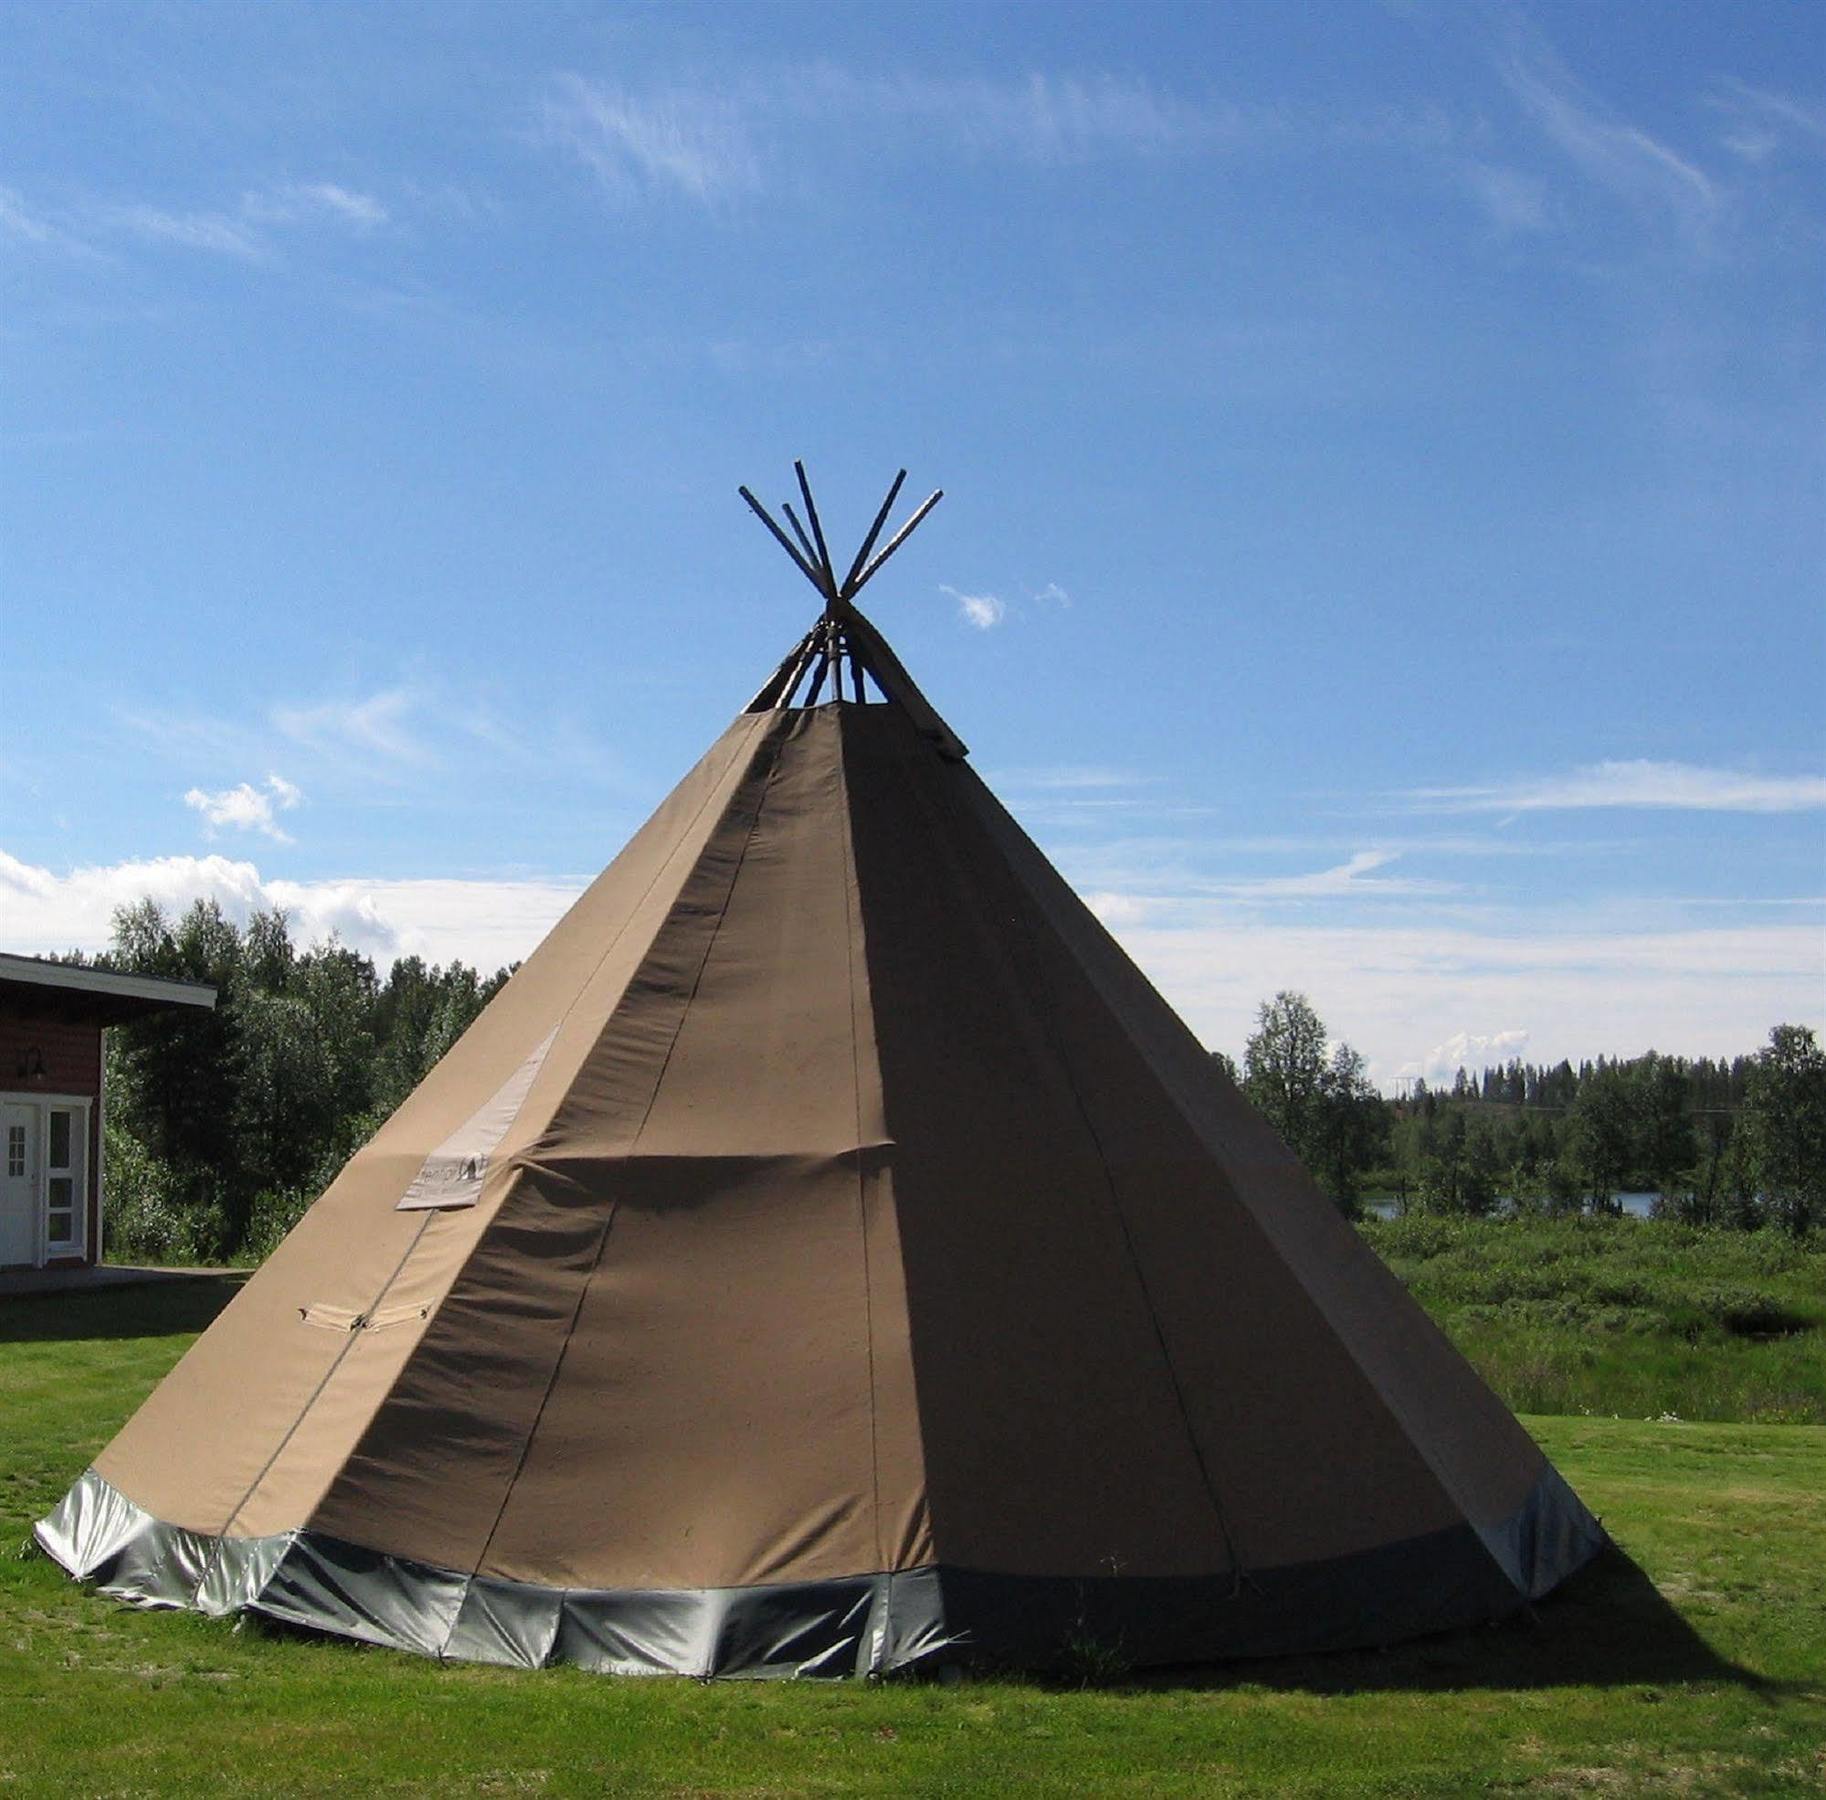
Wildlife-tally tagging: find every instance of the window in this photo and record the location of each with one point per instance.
(60, 1212)
(63, 1178)
(15, 1151)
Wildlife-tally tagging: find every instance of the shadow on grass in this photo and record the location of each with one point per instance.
(1607, 1626)
(165, 1307)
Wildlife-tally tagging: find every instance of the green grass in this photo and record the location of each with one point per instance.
(1624, 1317)
(1695, 1663)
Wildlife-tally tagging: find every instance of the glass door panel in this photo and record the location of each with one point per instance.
(64, 1145)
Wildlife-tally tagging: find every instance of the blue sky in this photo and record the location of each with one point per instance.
(1383, 548)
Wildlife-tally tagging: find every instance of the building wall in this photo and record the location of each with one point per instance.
(70, 1055)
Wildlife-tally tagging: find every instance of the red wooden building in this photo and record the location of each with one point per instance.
(52, 1091)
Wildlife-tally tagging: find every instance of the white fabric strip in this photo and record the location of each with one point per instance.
(452, 1175)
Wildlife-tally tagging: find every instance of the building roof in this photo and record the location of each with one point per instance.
(98, 996)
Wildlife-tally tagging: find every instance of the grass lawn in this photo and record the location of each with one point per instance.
(1694, 1662)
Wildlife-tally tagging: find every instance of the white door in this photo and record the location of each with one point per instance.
(18, 1185)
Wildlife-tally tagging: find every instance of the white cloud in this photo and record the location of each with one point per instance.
(1052, 595)
(1472, 1050)
(1399, 991)
(1640, 784)
(984, 611)
(487, 923)
(246, 807)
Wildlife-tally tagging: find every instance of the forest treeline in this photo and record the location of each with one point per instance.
(223, 1126)
(1729, 1142)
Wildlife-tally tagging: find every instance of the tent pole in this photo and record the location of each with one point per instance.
(811, 514)
(894, 543)
(780, 537)
(868, 543)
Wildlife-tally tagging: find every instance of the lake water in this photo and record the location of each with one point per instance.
(1635, 1206)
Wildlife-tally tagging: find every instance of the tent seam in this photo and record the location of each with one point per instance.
(862, 1209)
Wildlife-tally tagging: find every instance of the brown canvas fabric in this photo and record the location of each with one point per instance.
(845, 1202)
(250, 1428)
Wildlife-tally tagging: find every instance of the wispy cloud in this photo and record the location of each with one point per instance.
(1640, 784)
(1620, 157)
(1513, 202)
(1072, 778)
(245, 807)
(246, 232)
(1041, 118)
(1759, 123)
(221, 234)
(696, 142)
(414, 735)
(984, 611)
(303, 200)
(375, 726)
(713, 142)
(1353, 879)
(1158, 893)
(23, 224)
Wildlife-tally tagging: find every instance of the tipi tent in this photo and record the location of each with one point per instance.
(828, 1254)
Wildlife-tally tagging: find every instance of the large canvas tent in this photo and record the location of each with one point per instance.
(828, 1254)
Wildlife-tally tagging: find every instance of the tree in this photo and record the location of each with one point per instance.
(1784, 1127)
(1324, 1106)
(1352, 1124)
(224, 1125)
(1482, 1170)
(1442, 1174)
(1603, 1131)
(1664, 1147)
(1284, 1068)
